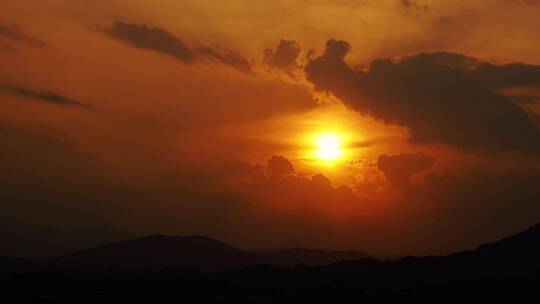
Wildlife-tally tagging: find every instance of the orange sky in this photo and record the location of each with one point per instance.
(162, 116)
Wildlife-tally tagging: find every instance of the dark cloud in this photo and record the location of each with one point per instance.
(284, 185)
(279, 166)
(510, 75)
(160, 40)
(440, 97)
(14, 32)
(225, 57)
(144, 37)
(398, 169)
(321, 181)
(43, 96)
(283, 57)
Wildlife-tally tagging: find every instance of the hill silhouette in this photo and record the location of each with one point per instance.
(525, 245)
(153, 269)
(161, 251)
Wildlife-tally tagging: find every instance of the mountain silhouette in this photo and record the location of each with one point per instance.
(525, 244)
(514, 255)
(155, 269)
(518, 253)
(159, 251)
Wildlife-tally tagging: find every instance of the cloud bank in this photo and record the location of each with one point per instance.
(441, 97)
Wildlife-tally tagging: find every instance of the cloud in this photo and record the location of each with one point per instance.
(510, 75)
(398, 169)
(283, 57)
(321, 181)
(283, 185)
(156, 39)
(279, 166)
(43, 96)
(441, 97)
(160, 40)
(14, 32)
(225, 57)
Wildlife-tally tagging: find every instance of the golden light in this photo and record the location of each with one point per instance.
(328, 147)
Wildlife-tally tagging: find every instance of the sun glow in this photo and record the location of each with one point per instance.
(328, 147)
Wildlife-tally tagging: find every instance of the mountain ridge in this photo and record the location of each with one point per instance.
(160, 251)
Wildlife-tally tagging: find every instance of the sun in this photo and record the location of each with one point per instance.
(328, 147)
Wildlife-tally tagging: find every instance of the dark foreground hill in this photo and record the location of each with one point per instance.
(309, 257)
(507, 270)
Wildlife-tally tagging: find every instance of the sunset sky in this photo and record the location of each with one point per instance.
(392, 127)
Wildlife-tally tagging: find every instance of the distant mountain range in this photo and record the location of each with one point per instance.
(161, 268)
(161, 251)
(158, 252)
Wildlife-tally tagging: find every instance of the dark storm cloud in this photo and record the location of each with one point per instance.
(398, 169)
(14, 32)
(283, 57)
(160, 40)
(43, 96)
(440, 97)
